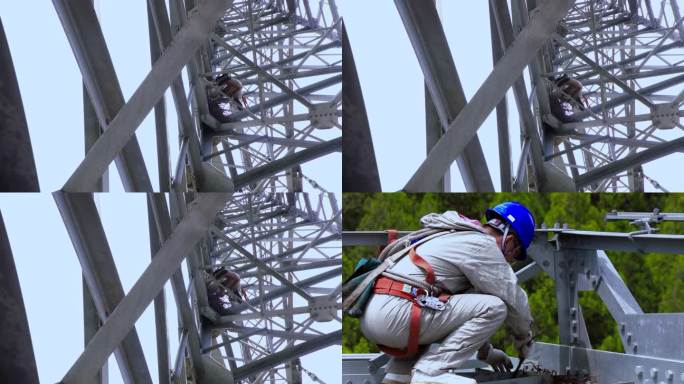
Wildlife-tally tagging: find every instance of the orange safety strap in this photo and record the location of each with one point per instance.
(388, 286)
(392, 235)
(419, 262)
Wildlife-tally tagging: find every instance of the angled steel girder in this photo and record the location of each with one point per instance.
(91, 317)
(306, 90)
(269, 320)
(288, 354)
(281, 291)
(245, 332)
(90, 50)
(207, 179)
(163, 364)
(167, 261)
(17, 166)
(165, 70)
(246, 139)
(650, 89)
(18, 363)
(91, 323)
(501, 112)
(163, 160)
(504, 24)
(161, 30)
(289, 91)
(537, 32)
(606, 367)
(288, 161)
(228, 319)
(263, 266)
(291, 251)
(429, 42)
(621, 241)
(163, 228)
(272, 86)
(603, 72)
(655, 152)
(360, 169)
(290, 59)
(87, 235)
(631, 59)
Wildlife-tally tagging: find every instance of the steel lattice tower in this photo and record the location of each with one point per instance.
(282, 246)
(286, 250)
(287, 55)
(629, 56)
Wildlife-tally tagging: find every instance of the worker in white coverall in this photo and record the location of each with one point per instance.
(471, 263)
(225, 90)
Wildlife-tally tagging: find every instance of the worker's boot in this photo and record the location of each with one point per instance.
(442, 378)
(395, 378)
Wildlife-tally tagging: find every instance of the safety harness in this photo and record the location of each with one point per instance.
(418, 295)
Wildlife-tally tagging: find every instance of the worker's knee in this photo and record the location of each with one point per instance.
(495, 309)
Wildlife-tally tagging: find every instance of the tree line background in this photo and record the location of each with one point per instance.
(656, 280)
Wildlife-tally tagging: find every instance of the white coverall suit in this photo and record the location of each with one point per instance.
(468, 264)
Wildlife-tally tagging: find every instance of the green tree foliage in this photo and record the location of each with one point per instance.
(656, 280)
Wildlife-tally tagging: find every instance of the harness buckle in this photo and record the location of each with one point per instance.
(430, 302)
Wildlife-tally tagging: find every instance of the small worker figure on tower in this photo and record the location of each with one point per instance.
(233, 88)
(222, 90)
(224, 290)
(572, 88)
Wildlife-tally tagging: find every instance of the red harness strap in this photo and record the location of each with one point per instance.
(392, 235)
(424, 265)
(387, 286)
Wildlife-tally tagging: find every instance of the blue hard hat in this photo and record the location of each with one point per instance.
(520, 220)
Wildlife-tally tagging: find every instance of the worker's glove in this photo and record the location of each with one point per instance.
(498, 360)
(524, 345)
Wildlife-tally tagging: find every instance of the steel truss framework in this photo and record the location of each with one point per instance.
(576, 260)
(285, 247)
(287, 53)
(629, 54)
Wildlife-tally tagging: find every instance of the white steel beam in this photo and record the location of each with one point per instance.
(194, 32)
(193, 227)
(541, 27)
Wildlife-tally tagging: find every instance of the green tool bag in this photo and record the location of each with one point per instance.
(361, 271)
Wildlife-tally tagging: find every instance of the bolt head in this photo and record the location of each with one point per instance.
(639, 371)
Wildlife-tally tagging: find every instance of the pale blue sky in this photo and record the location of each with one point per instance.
(392, 84)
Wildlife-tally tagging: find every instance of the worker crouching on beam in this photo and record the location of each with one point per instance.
(440, 305)
(225, 93)
(224, 291)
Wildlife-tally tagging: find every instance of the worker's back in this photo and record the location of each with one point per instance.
(232, 87)
(450, 255)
